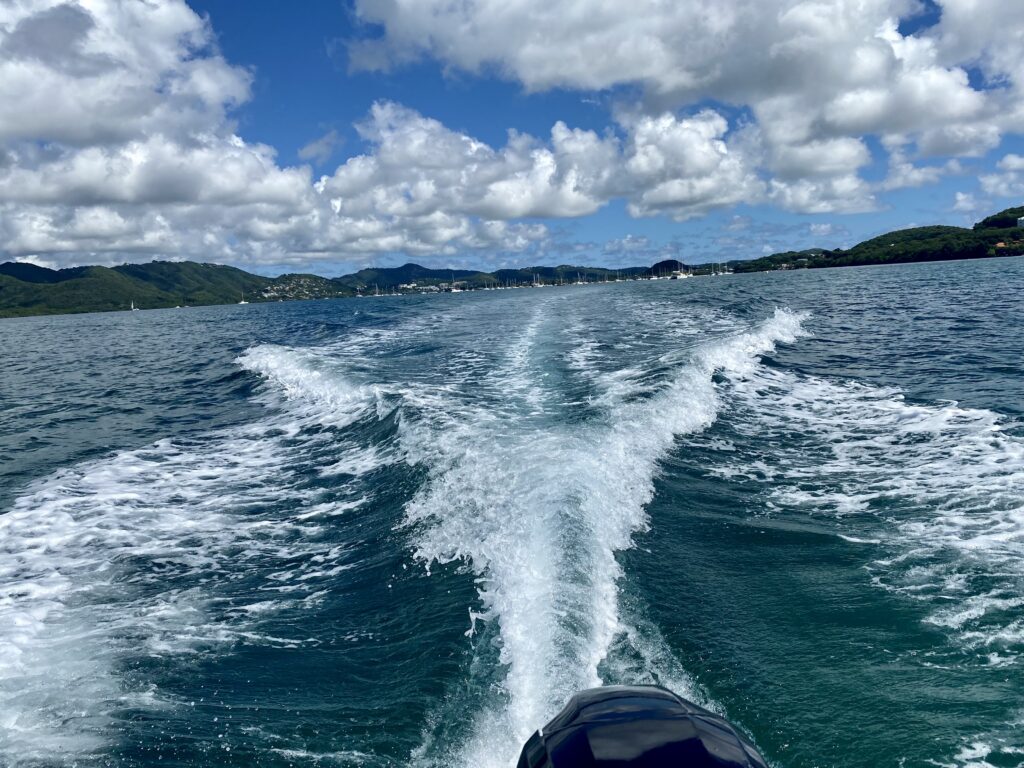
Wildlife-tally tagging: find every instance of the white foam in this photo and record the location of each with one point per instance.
(940, 486)
(311, 384)
(539, 512)
(657, 339)
(345, 757)
(135, 554)
(858, 540)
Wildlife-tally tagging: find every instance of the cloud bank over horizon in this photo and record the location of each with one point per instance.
(119, 140)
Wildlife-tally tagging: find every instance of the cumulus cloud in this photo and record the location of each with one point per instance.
(101, 72)
(166, 174)
(820, 157)
(847, 193)
(1008, 181)
(116, 142)
(808, 70)
(117, 139)
(681, 166)
(684, 167)
(964, 202)
(115, 135)
(903, 173)
(817, 77)
(322, 148)
(1011, 162)
(209, 169)
(989, 33)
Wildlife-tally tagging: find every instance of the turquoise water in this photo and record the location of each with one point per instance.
(402, 531)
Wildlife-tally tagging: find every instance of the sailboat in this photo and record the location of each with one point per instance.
(243, 301)
(134, 308)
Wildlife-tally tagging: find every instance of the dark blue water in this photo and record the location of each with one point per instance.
(402, 531)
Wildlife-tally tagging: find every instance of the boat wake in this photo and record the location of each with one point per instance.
(539, 511)
(186, 547)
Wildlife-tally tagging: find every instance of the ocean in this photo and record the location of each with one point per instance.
(404, 530)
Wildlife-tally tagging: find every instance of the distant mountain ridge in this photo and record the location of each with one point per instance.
(27, 289)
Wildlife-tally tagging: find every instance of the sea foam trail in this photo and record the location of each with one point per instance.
(939, 487)
(138, 554)
(539, 513)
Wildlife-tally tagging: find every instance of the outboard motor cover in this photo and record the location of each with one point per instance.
(638, 727)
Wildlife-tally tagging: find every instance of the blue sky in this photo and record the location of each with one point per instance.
(334, 134)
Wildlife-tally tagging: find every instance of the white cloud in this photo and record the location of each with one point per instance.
(821, 157)
(684, 167)
(988, 32)
(817, 77)
(807, 70)
(1009, 181)
(115, 143)
(100, 72)
(322, 148)
(959, 140)
(1009, 184)
(686, 49)
(841, 194)
(903, 173)
(116, 137)
(210, 169)
(419, 169)
(1011, 162)
(965, 202)
(680, 166)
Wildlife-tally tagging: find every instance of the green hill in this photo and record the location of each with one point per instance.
(387, 278)
(992, 236)
(191, 283)
(1002, 220)
(92, 289)
(27, 289)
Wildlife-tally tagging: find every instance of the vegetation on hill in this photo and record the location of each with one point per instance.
(992, 236)
(1002, 220)
(27, 289)
(388, 278)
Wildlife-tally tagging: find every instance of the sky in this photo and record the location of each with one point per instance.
(329, 135)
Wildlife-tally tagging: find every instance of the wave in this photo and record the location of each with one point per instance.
(538, 512)
(139, 553)
(938, 487)
(310, 385)
(178, 549)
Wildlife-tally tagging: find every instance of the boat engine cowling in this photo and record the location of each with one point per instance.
(629, 726)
